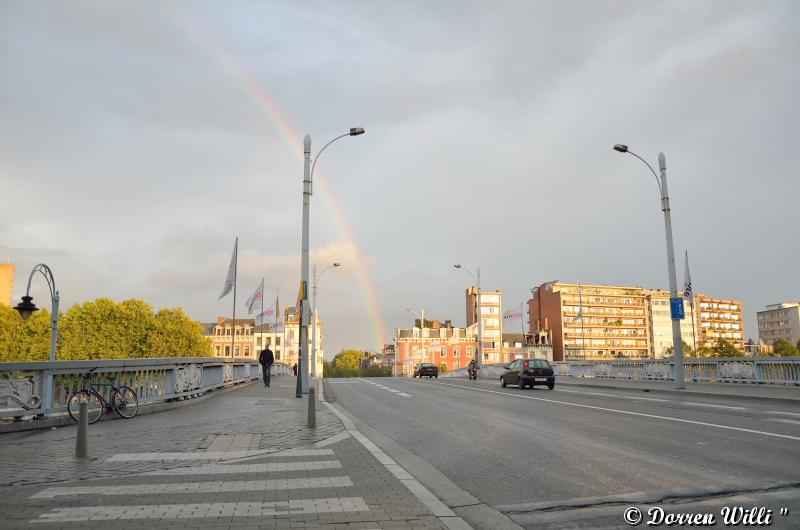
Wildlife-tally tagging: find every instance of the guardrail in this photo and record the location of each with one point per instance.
(776, 370)
(43, 388)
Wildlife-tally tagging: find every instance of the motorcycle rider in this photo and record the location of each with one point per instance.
(472, 369)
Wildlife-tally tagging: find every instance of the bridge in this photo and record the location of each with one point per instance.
(219, 449)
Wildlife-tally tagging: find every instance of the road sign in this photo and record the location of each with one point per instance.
(676, 307)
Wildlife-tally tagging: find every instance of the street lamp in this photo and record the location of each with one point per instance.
(421, 327)
(673, 282)
(26, 308)
(314, 317)
(478, 315)
(305, 313)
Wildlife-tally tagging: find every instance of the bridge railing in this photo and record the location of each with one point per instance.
(777, 370)
(44, 388)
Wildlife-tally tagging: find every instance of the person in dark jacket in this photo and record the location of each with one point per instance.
(266, 359)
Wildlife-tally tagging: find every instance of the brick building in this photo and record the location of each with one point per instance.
(431, 341)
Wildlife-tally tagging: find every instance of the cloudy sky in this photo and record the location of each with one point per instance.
(137, 139)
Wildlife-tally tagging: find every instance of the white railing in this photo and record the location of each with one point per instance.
(43, 388)
(779, 370)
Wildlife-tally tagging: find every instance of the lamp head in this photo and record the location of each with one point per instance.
(26, 307)
(621, 148)
(457, 266)
(337, 264)
(355, 131)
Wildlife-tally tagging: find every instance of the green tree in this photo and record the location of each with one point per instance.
(723, 348)
(784, 348)
(688, 351)
(348, 360)
(22, 340)
(174, 334)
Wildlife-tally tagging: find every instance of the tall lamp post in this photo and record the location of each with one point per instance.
(478, 315)
(677, 312)
(305, 313)
(421, 318)
(314, 317)
(26, 308)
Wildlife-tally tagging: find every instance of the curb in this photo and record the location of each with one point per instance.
(676, 391)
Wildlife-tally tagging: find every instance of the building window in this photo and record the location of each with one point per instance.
(228, 331)
(236, 351)
(277, 341)
(469, 351)
(238, 332)
(455, 351)
(247, 351)
(227, 351)
(456, 365)
(258, 341)
(443, 351)
(216, 351)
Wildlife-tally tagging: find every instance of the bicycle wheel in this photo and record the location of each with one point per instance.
(93, 400)
(126, 403)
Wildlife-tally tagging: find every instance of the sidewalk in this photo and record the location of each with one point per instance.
(732, 390)
(242, 459)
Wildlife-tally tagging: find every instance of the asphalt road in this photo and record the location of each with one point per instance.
(533, 453)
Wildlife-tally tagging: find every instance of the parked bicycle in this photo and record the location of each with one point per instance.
(123, 399)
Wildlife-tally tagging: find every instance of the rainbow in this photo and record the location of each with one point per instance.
(293, 140)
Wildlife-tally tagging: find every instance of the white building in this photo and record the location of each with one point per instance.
(779, 321)
(661, 324)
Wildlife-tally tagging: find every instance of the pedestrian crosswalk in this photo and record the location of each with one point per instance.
(278, 483)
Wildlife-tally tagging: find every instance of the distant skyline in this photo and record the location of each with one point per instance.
(137, 140)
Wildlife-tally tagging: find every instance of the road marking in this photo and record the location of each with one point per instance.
(201, 510)
(710, 405)
(785, 420)
(403, 394)
(209, 455)
(613, 395)
(225, 469)
(447, 516)
(217, 486)
(779, 412)
(631, 413)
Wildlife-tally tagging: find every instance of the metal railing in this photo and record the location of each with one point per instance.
(43, 388)
(777, 370)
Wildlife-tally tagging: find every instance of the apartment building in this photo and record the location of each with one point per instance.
(491, 312)
(718, 319)
(249, 340)
(779, 321)
(591, 321)
(660, 321)
(434, 342)
(229, 337)
(6, 283)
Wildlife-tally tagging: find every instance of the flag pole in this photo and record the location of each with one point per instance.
(583, 336)
(261, 316)
(522, 327)
(235, 266)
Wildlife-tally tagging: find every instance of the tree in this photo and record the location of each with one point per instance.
(24, 340)
(687, 350)
(102, 329)
(174, 334)
(723, 348)
(784, 348)
(348, 360)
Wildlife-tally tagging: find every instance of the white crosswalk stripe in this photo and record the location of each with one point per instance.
(226, 469)
(198, 487)
(203, 510)
(216, 455)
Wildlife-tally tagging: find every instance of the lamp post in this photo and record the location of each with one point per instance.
(478, 316)
(26, 308)
(421, 318)
(673, 282)
(314, 317)
(305, 313)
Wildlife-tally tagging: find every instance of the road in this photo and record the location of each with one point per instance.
(532, 453)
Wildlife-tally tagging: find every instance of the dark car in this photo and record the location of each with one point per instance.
(529, 372)
(427, 370)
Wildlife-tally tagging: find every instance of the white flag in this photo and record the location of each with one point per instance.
(687, 279)
(255, 298)
(267, 316)
(231, 279)
(279, 324)
(512, 315)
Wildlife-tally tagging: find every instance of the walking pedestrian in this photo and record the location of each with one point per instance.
(294, 369)
(266, 359)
